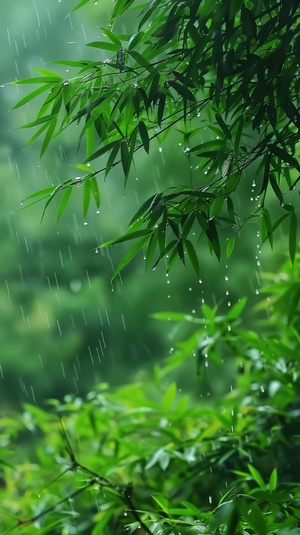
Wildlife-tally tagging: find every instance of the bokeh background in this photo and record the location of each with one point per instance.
(63, 326)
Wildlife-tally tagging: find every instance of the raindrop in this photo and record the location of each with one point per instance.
(85, 223)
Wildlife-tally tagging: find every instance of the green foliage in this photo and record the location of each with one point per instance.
(225, 76)
(147, 458)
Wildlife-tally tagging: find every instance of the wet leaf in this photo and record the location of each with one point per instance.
(144, 135)
(293, 236)
(230, 246)
(129, 256)
(86, 196)
(63, 203)
(48, 136)
(193, 257)
(223, 126)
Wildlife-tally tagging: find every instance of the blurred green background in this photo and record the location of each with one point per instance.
(63, 328)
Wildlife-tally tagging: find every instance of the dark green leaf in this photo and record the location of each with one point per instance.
(213, 237)
(112, 157)
(276, 188)
(144, 135)
(127, 237)
(284, 155)
(192, 256)
(223, 126)
(293, 236)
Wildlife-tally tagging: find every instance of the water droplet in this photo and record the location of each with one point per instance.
(85, 223)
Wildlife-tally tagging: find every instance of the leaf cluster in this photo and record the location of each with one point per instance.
(225, 76)
(148, 457)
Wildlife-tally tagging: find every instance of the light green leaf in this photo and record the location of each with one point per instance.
(103, 45)
(48, 136)
(37, 80)
(236, 310)
(129, 256)
(257, 477)
(112, 37)
(31, 96)
(80, 4)
(169, 397)
(273, 480)
(86, 197)
(95, 190)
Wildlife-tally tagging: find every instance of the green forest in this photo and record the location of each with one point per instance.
(150, 274)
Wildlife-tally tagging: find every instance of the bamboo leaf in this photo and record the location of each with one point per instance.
(80, 4)
(213, 237)
(95, 190)
(48, 136)
(276, 188)
(31, 96)
(223, 126)
(103, 45)
(192, 256)
(293, 236)
(112, 157)
(230, 246)
(127, 237)
(129, 256)
(273, 480)
(256, 476)
(284, 155)
(112, 37)
(37, 80)
(103, 150)
(41, 120)
(144, 135)
(63, 203)
(86, 196)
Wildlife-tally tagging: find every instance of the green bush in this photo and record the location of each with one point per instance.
(149, 457)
